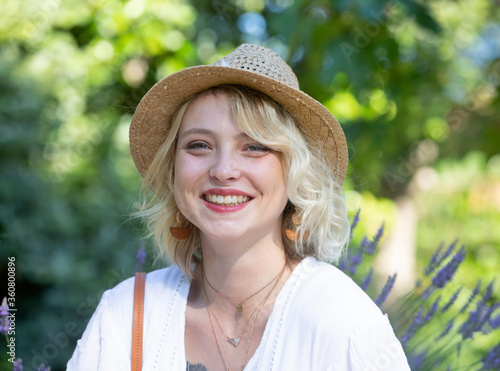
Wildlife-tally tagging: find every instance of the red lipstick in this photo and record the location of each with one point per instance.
(225, 192)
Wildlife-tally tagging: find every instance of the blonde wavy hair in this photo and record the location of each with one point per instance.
(311, 183)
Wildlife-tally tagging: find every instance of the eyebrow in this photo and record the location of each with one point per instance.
(209, 133)
(196, 131)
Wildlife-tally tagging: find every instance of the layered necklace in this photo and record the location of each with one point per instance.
(240, 307)
(253, 317)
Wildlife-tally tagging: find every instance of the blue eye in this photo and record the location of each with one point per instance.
(257, 148)
(197, 145)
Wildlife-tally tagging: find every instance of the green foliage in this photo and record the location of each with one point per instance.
(399, 74)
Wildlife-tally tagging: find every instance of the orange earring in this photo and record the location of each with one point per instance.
(292, 234)
(180, 233)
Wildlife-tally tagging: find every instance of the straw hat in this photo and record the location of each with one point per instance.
(254, 66)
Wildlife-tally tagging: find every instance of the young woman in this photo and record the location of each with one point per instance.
(246, 173)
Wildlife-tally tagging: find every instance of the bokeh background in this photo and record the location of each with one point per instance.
(415, 85)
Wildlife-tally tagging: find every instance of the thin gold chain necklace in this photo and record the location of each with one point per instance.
(236, 340)
(211, 312)
(240, 307)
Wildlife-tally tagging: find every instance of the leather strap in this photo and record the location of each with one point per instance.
(137, 322)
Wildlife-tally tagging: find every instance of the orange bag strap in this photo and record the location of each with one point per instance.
(137, 322)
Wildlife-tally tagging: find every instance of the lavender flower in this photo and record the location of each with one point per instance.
(451, 301)
(473, 295)
(432, 310)
(489, 292)
(447, 329)
(428, 292)
(434, 262)
(355, 221)
(419, 321)
(417, 361)
(386, 290)
(367, 280)
(141, 257)
(476, 321)
(413, 326)
(448, 251)
(374, 243)
(446, 273)
(18, 365)
(495, 322)
(344, 263)
(4, 320)
(491, 361)
(43, 368)
(364, 245)
(355, 261)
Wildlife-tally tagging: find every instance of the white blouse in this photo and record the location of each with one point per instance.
(321, 320)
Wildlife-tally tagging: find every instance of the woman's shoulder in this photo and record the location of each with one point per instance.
(329, 293)
(157, 282)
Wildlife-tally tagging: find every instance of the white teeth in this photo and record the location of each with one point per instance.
(226, 200)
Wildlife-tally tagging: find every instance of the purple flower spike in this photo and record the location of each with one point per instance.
(367, 280)
(4, 308)
(434, 262)
(428, 292)
(432, 310)
(451, 301)
(18, 365)
(141, 256)
(386, 290)
(447, 329)
(355, 261)
(417, 361)
(343, 263)
(472, 296)
(446, 273)
(413, 327)
(374, 243)
(4, 320)
(495, 322)
(355, 221)
(448, 251)
(476, 321)
(489, 292)
(491, 361)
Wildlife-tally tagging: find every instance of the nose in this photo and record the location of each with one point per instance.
(225, 167)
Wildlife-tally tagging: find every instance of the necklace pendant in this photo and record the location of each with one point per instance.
(240, 308)
(234, 341)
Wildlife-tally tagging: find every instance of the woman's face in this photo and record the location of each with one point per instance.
(226, 184)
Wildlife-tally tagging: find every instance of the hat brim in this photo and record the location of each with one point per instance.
(151, 121)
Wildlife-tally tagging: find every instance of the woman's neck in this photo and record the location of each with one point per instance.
(240, 268)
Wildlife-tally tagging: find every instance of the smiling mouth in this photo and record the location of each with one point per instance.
(226, 200)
